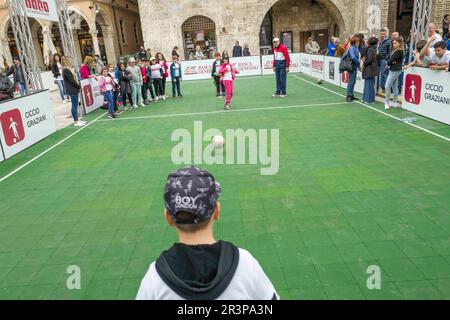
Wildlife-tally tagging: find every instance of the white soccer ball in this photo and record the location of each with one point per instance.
(218, 142)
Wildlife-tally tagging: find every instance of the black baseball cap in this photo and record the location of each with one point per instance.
(191, 190)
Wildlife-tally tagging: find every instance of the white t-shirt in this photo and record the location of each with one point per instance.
(60, 68)
(434, 59)
(249, 283)
(228, 75)
(437, 37)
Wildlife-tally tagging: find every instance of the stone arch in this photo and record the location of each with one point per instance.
(105, 34)
(199, 23)
(298, 23)
(334, 7)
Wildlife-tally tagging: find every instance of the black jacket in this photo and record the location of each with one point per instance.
(17, 72)
(246, 52)
(198, 272)
(55, 70)
(371, 68)
(395, 61)
(70, 83)
(124, 79)
(237, 51)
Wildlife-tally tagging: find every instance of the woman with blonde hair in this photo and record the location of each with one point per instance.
(339, 48)
(395, 66)
(72, 88)
(86, 68)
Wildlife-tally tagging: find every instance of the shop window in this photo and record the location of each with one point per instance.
(199, 31)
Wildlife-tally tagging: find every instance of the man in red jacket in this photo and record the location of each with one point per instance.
(281, 63)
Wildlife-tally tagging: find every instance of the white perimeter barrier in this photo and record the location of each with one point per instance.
(427, 93)
(91, 95)
(24, 121)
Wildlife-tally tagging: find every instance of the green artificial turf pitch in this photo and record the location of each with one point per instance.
(355, 188)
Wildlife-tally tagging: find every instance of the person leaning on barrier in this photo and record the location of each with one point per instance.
(6, 86)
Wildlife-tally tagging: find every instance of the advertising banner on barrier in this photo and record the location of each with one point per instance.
(267, 63)
(427, 93)
(359, 85)
(332, 74)
(305, 63)
(91, 95)
(41, 9)
(247, 66)
(25, 121)
(317, 67)
(197, 69)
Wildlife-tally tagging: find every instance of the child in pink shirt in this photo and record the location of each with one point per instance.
(228, 74)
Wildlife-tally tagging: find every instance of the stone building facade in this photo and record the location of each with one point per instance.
(242, 20)
(109, 28)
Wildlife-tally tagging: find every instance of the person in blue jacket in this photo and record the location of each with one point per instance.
(175, 75)
(354, 53)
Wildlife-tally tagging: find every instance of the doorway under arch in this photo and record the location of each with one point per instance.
(199, 31)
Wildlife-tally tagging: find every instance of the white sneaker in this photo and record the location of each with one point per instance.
(135, 107)
(387, 106)
(64, 101)
(126, 109)
(142, 105)
(394, 105)
(80, 124)
(163, 97)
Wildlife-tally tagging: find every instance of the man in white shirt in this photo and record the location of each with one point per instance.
(199, 267)
(433, 35)
(437, 57)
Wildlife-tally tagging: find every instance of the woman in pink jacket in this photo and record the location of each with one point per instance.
(106, 84)
(228, 74)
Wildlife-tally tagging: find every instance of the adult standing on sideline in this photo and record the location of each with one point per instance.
(175, 52)
(19, 78)
(355, 54)
(370, 71)
(433, 35)
(57, 70)
(331, 49)
(246, 50)
(72, 88)
(445, 25)
(237, 50)
(312, 47)
(384, 49)
(142, 54)
(395, 64)
(281, 63)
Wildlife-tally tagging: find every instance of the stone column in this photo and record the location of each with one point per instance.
(38, 50)
(77, 47)
(108, 40)
(94, 33)
(6, 51)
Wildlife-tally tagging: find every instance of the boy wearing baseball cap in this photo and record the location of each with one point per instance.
(199, 267)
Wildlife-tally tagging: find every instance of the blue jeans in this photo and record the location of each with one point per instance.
(392, 83)
(383, 75)
(351, 82)
(400, 82)
(109, 97)
(22, 89)
(369, 90)
(281, 76)
(61, 88)
(74, 109)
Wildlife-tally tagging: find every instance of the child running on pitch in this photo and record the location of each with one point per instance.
(228, 73)
(106, 85)
(175, 74)
(220, 89)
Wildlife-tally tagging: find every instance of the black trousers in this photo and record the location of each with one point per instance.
(163, 85)
(220, 88)
(123, 98)
(176, 85)
(157, 83)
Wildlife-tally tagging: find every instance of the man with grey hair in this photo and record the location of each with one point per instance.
(433, 36)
